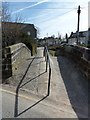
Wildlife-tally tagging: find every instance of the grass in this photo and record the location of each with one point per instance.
(52, 52)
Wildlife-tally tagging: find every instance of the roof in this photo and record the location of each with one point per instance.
(81, 34)
(13, 27)
(22, 25)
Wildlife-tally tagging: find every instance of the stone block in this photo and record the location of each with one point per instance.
(87, 54)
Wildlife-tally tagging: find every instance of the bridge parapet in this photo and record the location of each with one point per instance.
(12, 58)
(81, 55)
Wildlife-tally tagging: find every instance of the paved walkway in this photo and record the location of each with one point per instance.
(68, 87)
(32, 76)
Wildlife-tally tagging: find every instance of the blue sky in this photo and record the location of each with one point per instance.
(51, 16)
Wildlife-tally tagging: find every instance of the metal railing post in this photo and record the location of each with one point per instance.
(49, 80)
(47, 59)
(46, 62)
(45, 53)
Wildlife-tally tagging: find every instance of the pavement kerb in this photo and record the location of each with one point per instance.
(31, 98)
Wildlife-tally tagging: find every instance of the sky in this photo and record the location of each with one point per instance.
(89, 15)
(51, 17)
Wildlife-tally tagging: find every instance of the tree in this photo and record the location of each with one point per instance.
(6, 17)
(10, 31)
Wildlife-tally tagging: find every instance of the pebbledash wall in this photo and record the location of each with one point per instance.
(13, 57)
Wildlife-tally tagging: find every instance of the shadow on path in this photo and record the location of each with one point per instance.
(32, 79)
(16, 114)
(76, 85)
(17, 89)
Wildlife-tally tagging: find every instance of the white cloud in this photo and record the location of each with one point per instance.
(40, 2)
(21, 0)
(52, 21)
(64, 24)
(57, 21)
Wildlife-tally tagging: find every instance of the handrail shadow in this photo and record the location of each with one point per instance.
(18, 87)
(32, 79)
(35, 58)
(16, 114)
(17, 95)
(76, 86)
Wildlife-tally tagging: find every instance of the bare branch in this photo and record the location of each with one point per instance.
(5, 12)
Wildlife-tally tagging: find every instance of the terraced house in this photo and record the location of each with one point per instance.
(83, 38)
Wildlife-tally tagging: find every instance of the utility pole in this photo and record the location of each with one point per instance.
(78, 11)
(66, 38)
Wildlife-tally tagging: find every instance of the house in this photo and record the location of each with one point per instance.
(46, 41)
(83, 38)
(49, 41)
(11, 32)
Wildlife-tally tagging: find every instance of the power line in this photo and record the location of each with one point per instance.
(59, 8)
(59, 15)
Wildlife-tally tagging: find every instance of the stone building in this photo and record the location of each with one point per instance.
(11, 32)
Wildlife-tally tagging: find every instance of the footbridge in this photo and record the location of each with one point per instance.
(44, 81)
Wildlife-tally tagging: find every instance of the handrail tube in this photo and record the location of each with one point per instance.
(47, 59)
(49, 81)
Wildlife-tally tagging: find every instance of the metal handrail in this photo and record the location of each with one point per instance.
(47, 59)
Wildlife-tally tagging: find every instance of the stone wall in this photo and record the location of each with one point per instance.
(12, 58)
(81, 56)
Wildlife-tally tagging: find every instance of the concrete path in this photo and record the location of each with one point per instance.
(68, 91)
(31, 108)
(31, 76)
